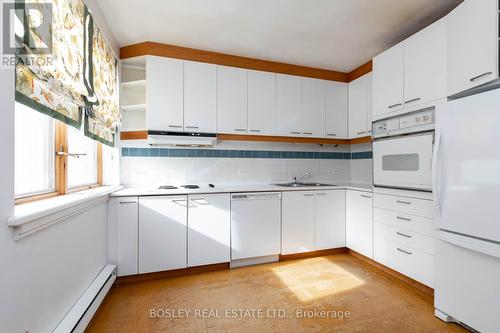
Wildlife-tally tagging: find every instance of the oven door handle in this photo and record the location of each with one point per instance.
(435, 166)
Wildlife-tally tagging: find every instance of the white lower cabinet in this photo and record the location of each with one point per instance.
(359, 222)
(330, 220)
(312, 220)
(297, 224)
(404, 236)
(127, 228)
(162, 233)
(209, 225)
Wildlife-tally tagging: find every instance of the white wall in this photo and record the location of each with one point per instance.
(44, 274)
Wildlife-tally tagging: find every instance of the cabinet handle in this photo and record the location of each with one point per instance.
(403, 218)
(200, 201)
(127, 202)
(403, 202)
(394, 105)
(240, 130)
(401, 250)
(412, 100)
(359, 133)
(307, 133)
(480, 76)
(175, 126)
(308, 195)
(193, 127)
(255, 130)
(365, 196)
(404, 235)
(331, 134)
(294, 132)
(321, 194)
(180, 202)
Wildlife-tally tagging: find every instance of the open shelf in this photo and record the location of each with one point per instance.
(134, 84)
(134, 107)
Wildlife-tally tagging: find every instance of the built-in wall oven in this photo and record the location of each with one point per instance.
(403, 149)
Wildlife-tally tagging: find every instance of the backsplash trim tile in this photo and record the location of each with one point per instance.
(226, 153)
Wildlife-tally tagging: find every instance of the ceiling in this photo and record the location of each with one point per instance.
(331, 34)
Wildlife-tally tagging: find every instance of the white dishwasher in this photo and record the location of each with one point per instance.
(255, 228)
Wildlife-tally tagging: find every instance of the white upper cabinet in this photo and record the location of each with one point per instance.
(388, 81)
(231, 100)
(164, 94)
(288, 105)
(472, 45)
(336, 109)
(261, 102)
(360, 106)
(200, 86)
(313, 107)
(412, 73)
(425, 65)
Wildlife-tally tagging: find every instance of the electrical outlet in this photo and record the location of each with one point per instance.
(242, 172)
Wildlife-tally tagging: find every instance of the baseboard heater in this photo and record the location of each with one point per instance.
(77, 319)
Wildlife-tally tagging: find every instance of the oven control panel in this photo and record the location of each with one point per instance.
(410, 123)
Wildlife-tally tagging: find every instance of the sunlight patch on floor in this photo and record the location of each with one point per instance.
(322, 278)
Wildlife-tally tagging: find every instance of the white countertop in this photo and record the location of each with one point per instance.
(236, 188)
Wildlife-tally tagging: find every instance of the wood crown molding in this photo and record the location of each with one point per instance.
(361, 70)
(185, 53)
(143, 135)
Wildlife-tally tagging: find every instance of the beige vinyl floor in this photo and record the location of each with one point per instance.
(336, 293)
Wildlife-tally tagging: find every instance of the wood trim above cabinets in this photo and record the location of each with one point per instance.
(134, 135)
(185, 53)
(361, 70)
(143, 135)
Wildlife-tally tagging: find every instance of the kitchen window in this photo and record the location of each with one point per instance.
(52, 158)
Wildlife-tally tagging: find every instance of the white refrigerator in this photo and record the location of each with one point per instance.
(466, 188)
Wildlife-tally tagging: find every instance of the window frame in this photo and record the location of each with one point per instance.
(61, 168)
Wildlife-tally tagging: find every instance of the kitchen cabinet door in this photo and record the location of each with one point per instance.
(164, 94)
(388, 81)
(162, 233)
(231, 100)
(261, 102)
(330, 219)
(127, 229)
(297, 233)
(200, 97)
(425, 65)
(336, 110)
(209, 229)
(288, 105)
(359, 222)
(313, 107)
(472, 45)
(360, 106)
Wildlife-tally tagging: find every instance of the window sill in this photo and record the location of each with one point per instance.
(32, 217)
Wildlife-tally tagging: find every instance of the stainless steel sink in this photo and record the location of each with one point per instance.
(293, 184)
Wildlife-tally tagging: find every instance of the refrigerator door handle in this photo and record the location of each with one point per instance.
(473, 244)
(435, 166)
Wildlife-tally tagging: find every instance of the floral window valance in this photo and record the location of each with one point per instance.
(81, 81)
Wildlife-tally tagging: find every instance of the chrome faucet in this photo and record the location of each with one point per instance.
(295, 179)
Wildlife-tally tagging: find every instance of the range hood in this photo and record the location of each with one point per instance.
(181, 139)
